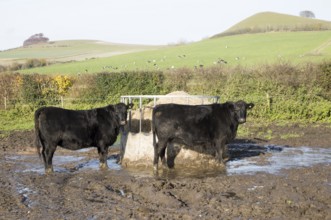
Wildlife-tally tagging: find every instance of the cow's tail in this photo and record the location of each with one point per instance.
(37, 141)
(154, 129)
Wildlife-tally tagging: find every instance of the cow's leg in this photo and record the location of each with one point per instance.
(172, 154)
(159, 151)
(225, 154)
(103, 154)
(48, 153)
(156, 157)
(162, 151)
(219, 148)
(162, 157)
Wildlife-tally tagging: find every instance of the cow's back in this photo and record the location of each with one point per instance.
(67, 128)
(57, 119)
(186, 122)
(198, 123)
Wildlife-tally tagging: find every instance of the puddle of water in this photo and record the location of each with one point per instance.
(34, 164)
(94, 164)
(287, 158)
(248, 159)
(85, 150)
(245, 159)
(25, 192)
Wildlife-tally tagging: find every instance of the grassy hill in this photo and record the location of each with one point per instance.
(63, 51)
(269, 21)
(245, 50)
(248, 49)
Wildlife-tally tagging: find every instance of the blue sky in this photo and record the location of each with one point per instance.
(151, 22)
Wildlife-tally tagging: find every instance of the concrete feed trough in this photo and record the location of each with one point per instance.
(137, 139)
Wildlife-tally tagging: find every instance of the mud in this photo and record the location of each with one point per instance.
(275, 172)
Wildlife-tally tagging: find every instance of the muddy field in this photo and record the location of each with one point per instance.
(288, 179)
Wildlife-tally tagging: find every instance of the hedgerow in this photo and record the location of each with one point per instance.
(282, 91)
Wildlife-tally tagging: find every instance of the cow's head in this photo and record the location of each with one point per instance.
(239, 109)
(121, 111)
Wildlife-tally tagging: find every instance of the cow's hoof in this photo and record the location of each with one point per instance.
(155, 170)
(49, 171)
(165, 167)
(226, 159)
(119, 160)
(103, 166)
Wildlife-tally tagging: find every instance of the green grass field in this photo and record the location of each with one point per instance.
(62, 51)
(245, 50)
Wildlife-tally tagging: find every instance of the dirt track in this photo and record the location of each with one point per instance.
(76, 193)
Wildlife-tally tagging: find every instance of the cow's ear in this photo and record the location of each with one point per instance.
(130, 105)
(250, 105)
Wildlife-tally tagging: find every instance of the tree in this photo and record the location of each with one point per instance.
(35, 39)
(307, 14)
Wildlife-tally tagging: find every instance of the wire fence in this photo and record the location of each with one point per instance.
(7, 104)
(183, 99)
(264, 104)
(267, 100)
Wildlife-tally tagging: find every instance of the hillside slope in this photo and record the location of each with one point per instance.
(70, 50)
(244, 50)
(270, 21)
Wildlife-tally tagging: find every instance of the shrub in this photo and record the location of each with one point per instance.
(108, 87)
(15, 66)
(32, 63)
(3, 68)
(38, 90)
(324, 80)
(177, 79)
(10, 84)
(63, 84)
(31, 89)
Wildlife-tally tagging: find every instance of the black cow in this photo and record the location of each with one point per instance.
(74, 130)
(211, 126)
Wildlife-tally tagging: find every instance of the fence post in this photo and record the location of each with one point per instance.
(141, 113)
(62, 104)
(5, 102)
(269, 102)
